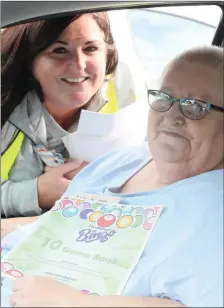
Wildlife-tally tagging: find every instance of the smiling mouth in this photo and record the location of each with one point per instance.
(75, 81)
(167, 133)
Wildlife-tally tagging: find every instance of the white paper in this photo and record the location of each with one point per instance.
(98, 134)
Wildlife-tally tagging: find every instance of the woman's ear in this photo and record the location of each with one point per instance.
(107, 78)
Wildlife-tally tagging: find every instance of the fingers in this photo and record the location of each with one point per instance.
(15, 289)
(68, 167)
(75, 161)
(12, 301)
(17, 300)
(72, 174)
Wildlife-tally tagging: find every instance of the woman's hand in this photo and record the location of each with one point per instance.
(80, 165)
(53, 183)
(43, 292)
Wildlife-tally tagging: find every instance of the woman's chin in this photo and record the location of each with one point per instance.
(77, 100)
(170, 154)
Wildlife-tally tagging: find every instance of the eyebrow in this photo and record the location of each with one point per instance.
(206, 97)
(61, 42)
(86, 43)
(91, 42)
(166, 90)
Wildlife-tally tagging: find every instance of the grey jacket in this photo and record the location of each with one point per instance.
(19, 195)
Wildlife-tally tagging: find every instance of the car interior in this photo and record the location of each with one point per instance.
(147, 34)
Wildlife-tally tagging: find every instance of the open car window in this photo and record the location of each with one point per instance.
(159, 34)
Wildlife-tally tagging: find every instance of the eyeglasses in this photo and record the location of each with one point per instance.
(193, 109)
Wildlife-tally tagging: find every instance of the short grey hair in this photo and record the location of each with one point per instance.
(212, 56)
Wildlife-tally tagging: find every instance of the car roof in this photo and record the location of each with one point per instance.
(14, 12)
(209, 16)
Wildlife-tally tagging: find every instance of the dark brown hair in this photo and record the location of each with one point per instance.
(21, 44)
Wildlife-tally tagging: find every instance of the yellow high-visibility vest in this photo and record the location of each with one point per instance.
(9, 157)
(111, 106)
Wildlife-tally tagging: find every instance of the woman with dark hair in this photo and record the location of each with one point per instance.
(50, 71)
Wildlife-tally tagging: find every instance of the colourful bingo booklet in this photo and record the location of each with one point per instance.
(89, 242)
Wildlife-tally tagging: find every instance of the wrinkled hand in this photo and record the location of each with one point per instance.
(53, 183)
(80, 165)
(69, 176)
(44, 292)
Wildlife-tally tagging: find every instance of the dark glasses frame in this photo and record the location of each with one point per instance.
(181, 101)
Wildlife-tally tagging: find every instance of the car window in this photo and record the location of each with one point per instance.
(158, 36)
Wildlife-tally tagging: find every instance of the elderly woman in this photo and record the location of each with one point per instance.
(183, 260)
(50, 71)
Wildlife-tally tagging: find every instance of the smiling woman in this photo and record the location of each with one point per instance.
(50, 71)
(72, 69)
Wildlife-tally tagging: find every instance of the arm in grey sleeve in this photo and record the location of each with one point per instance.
(20, 198)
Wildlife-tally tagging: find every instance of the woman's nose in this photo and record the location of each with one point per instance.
(173, 116)
(77, 62)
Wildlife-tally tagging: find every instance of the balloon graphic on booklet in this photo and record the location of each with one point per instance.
(5, 266)
(149, 213)
(116, 211)
(87, 292)
(95, 216)
(138, 211)
(69, 211)
(83, 206)
(156, 209)
(14, 273)
(148, 224)
(138, 220)
(106, 221)
(124, 221)
(97, 206)
(77, 201)
(57, 206)
(66, 203)
(85, 213)
(126, 210)
(107, 208)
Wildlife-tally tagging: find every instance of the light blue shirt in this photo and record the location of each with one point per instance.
(183, 259)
